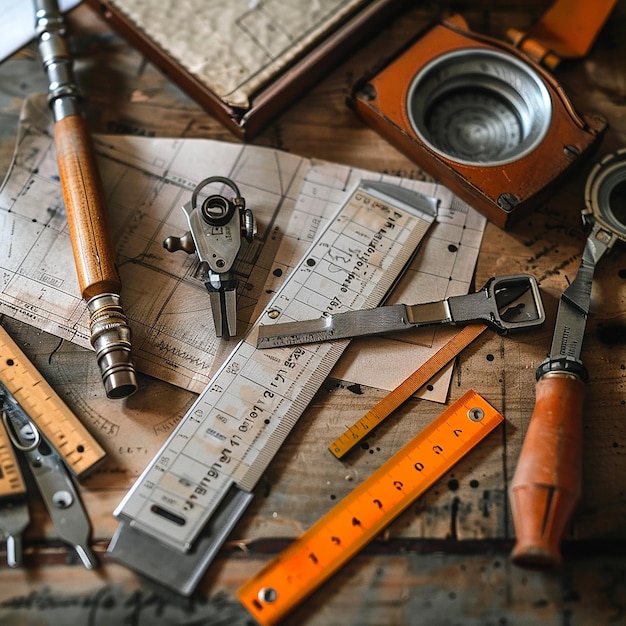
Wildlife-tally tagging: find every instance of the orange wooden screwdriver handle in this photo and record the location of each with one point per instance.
(86, 213)
(546, 485)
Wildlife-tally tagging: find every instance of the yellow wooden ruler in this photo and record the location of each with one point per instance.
(11, 481)
(56, 422)
(375, 416)
(362, 515)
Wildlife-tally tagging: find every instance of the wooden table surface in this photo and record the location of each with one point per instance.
(446, 559)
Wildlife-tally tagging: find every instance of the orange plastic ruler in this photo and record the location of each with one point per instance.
(379, 413)
(57, 423)
(362, 515)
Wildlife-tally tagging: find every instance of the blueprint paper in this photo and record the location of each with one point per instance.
(146, 182)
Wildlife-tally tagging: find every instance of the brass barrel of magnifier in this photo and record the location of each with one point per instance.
(92, 245)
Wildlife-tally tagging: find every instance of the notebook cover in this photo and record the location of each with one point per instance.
(246, 60)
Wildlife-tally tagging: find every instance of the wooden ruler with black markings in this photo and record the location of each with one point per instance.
(57, 423)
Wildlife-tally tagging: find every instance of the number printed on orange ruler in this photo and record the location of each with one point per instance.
(362, 515)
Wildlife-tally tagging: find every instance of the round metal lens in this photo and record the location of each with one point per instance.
(478, 106)
(617, 203)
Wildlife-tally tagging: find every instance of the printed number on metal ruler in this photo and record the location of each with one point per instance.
(194, 491)
(367, 510)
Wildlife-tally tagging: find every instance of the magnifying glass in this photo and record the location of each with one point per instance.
(479, 106)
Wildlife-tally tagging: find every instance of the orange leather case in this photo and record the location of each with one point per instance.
(505, 192)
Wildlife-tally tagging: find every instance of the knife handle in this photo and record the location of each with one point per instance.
(547, 482)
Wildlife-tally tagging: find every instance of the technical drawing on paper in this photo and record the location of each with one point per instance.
(146, 182)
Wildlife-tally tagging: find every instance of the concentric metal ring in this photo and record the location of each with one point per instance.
(605, 193)
(478, 106)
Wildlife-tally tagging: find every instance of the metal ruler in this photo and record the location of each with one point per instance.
(364, 513)
(181, 509)
(413, 383)
(22, 383)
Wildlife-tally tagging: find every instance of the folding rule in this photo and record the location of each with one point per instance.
(310, 560)
(180, 511)
(11, 481)
(22, 383)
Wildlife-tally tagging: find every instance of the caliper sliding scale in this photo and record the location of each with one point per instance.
(178, 514)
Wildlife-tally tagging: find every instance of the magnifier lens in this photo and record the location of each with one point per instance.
(605, 193)
(479, 106)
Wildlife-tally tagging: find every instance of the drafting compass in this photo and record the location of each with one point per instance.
(216, 227)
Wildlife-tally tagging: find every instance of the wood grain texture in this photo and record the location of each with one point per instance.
(446, 560)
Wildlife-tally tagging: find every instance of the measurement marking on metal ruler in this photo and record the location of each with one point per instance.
(362, 515)
(199, 484)
(58, 424)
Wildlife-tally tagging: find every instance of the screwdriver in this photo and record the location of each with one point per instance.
(547, 482)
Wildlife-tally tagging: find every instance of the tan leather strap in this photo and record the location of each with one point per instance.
(566, 31)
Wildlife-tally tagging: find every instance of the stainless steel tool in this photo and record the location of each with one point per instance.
(55, 486)
(505, 303)
(217, 226)
(546, 485)
(14, 514)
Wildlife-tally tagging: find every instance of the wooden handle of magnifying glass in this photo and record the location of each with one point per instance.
(546, 485)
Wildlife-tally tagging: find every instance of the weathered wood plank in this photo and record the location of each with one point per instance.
(445, 561)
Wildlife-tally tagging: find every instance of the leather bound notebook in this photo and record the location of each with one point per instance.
(245, 60)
